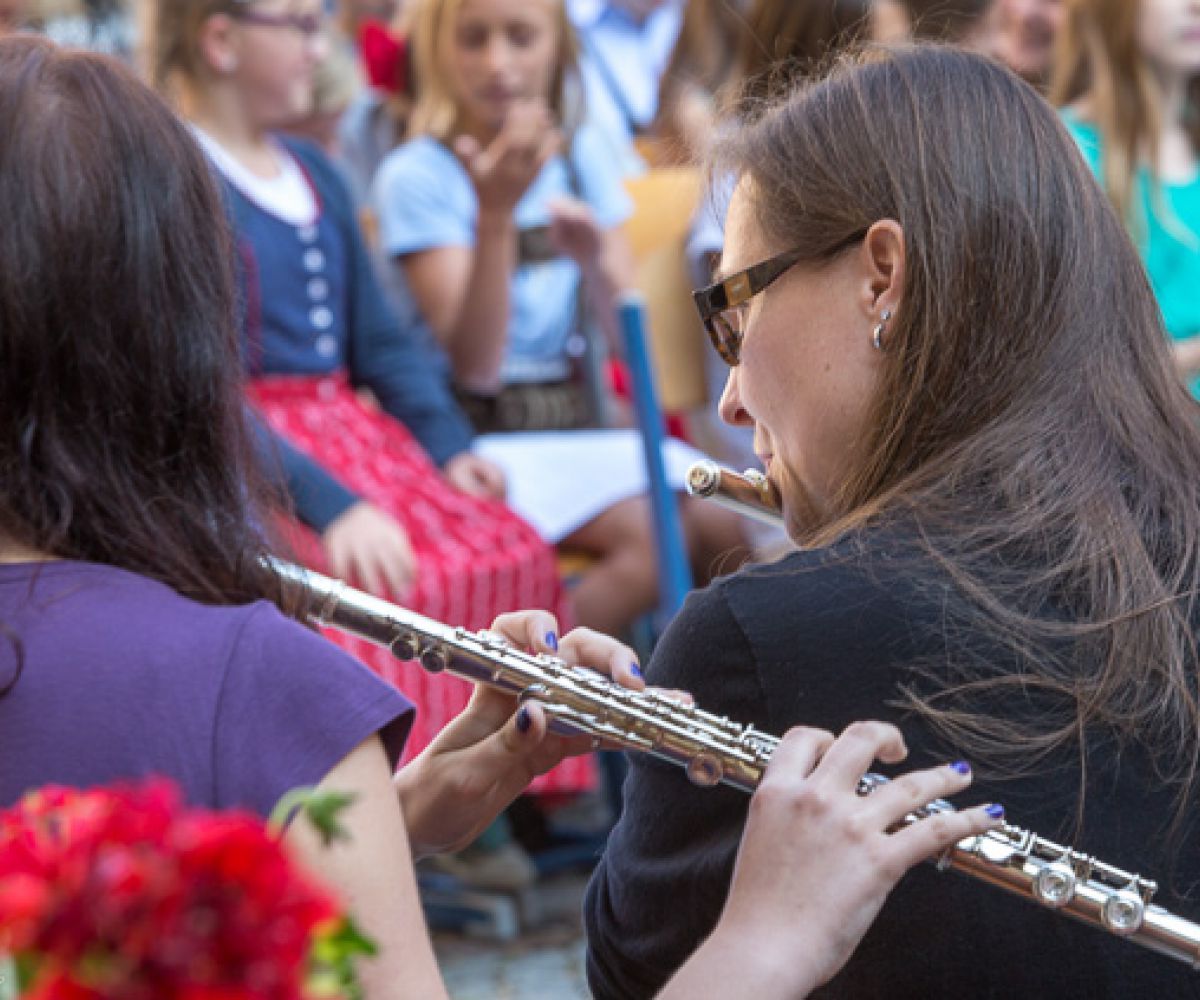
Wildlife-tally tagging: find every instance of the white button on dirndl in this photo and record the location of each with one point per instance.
(318, 289)
(314, 260)
(321, 317)
(327, 345)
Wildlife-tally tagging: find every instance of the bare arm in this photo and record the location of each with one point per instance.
(372, 872)
(463, 293)
(487, 755)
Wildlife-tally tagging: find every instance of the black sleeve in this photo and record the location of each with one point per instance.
(661, 885)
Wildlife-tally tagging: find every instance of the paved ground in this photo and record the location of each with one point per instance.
(544, 961)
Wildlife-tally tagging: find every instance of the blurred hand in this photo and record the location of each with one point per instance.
(476, 476)
(368, 547)
(503, 171)
(486, 756)
(575, 232)
(817, 861)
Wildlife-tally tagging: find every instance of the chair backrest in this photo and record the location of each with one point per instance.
(665, 200)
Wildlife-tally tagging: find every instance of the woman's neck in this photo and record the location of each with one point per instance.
(16, 552)
(221, 113)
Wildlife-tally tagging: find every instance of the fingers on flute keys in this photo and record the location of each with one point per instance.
(823, 771)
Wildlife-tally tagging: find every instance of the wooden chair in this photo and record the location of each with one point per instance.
(665, 200)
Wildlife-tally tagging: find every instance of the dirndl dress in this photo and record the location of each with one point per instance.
(476, 558)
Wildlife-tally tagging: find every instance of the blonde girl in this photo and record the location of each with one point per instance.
(495, 213)
(1128, 78)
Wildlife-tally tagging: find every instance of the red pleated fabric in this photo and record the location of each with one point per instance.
(476, 558)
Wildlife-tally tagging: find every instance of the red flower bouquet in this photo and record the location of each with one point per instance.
(124, 894)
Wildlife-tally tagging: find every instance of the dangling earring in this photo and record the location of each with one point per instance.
(877, 333)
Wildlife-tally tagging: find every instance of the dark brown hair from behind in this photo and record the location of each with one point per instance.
(123, 439)
(784, 41)
(1029, 420)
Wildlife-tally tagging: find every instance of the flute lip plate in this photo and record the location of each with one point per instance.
(703, 477)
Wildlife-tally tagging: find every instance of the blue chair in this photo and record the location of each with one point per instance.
(674, 572)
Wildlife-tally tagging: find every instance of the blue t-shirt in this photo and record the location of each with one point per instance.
(122, 678)
(424, 199)
(1169, 240)
(622, 61)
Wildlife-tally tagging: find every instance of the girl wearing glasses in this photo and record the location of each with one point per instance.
(953, 367)
(499, 215)
(390, 496)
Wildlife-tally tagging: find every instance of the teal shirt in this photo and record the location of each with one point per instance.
(1170, 243)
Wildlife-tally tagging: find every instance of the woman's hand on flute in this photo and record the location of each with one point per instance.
(487, 755)
(817, 861)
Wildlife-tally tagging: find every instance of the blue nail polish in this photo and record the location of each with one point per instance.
(961, 766)
(635, 670)
(525, 720)
(995, 810)
(552, 641)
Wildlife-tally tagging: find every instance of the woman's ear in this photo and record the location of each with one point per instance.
(216, 42)
(883, 261)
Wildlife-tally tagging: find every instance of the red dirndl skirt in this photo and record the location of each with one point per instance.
(476, 558)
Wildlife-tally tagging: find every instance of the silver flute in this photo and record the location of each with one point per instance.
(713, 749)
(749, 493)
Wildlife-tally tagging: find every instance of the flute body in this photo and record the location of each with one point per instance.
(713, 749)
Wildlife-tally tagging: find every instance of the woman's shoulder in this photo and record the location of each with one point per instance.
(860, 567)
(70, 598)
(76, 588)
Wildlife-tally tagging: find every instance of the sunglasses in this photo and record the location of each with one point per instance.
(722, 305)
(309, 25)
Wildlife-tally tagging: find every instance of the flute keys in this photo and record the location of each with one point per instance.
(704, 770)
(405, 647)
(1123, 912)
(434, 659)
(1054, 886)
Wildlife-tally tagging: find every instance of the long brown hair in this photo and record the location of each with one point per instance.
(122, 436)
(946, 20)
(785, 40)
(1029, 422)
(1099, 61)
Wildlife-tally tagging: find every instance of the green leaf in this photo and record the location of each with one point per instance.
(333, 958)
(323, 809)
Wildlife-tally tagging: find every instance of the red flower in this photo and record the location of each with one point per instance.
(122, 894)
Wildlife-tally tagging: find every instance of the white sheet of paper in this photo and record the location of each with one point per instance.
(560, 480)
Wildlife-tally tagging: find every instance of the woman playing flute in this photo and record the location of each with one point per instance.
(958, 383)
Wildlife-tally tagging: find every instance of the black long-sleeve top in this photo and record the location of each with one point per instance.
(824, 639)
